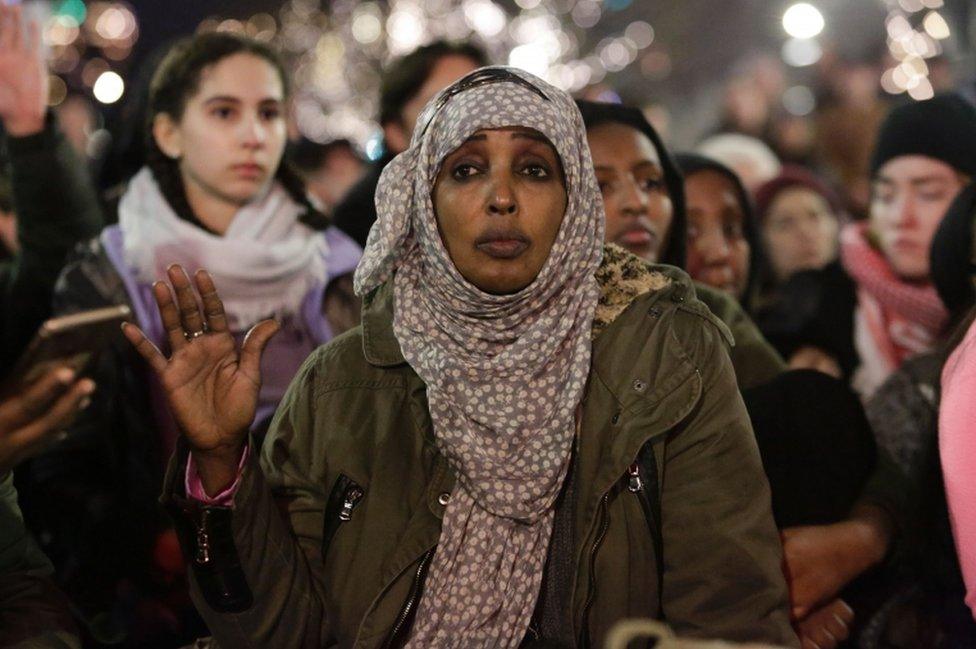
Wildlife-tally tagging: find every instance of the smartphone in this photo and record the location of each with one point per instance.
(72, 340)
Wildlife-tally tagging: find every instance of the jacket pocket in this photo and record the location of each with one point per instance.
(343, 500)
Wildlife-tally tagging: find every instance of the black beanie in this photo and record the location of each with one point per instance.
(943, 128)
(597, 113)
(952, 254)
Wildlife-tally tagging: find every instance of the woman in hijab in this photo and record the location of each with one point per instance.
(644, 200)
(523, 427)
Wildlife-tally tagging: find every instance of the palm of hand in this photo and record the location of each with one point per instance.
(22, 84)
(212, 397)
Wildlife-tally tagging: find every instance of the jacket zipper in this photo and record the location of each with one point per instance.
(202, 557)
(591, 581)
(415, 590)
(637, 487)
(345, 496)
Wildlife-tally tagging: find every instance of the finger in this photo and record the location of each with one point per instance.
(837, 628)
(254, 343)
(213, 307)
(844, 612)
(186, 299)
(170, 316)
(33, 37)
(17, 31)
(36, 399)
(6, 24)
(145, 347)
(810, 644)
(59, 416)
(823, 637)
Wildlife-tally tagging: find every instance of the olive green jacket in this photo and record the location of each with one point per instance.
(351, 462)
(755, 361)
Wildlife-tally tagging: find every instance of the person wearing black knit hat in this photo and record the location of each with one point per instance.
(644, 201)
(924, 155)
(953, 255)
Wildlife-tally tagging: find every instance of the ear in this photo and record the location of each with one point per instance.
(168, 136)
(396, 136)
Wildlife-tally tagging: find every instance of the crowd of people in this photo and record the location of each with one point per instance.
(530, 373)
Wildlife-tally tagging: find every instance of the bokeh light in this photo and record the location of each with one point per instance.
(803, 20)
(109, 87)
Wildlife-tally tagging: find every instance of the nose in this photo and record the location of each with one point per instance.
(254, 134)
(904, 211)
(634, 201)
(714, 248)
(501, 198)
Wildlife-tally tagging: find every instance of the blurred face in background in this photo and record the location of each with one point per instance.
(335, 177)
(910, 195)
(718, 252)
(800, 232)
(231, 136)
(446, 71)
(631, 180)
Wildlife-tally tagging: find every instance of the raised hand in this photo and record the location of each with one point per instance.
(211, 388)
(36, 415)
(23, 74)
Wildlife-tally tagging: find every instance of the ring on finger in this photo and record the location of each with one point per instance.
(196, 334)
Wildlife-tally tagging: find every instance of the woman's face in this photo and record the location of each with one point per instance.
(232, 134)
(635, 198)
(800, 232)
(910, 195)
(500, 198)
(718, 253)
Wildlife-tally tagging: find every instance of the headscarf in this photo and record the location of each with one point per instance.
(504, 373)
(597, 113)
(691, 163)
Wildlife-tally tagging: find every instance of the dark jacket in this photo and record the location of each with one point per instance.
(354, 431)
(356, 213)
(32, 611)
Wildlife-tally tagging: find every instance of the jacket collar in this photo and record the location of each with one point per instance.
(622, 277)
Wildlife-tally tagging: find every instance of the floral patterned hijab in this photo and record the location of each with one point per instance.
(504, 373)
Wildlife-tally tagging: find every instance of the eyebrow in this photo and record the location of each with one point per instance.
(237, 100)
(528, 135)
(922, 180)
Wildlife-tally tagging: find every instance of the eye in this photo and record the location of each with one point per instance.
(536, 171)
(932, 197)
(269, 114)
(733, 230)
(222, 112)
(651, 184)
(463, 171)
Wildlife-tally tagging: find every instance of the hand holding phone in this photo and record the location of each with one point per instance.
(37, 415)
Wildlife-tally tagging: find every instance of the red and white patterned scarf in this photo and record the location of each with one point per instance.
(901, 318)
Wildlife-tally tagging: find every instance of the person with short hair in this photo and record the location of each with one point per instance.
(406, 86)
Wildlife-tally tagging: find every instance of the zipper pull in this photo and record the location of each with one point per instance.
(635, 484)
(351, 499)
(203, 539)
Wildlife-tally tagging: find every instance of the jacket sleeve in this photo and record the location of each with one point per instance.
(258, 582)
(722, 552)
(32, 611)
(957, 449)
(754, 360)
(56, 208)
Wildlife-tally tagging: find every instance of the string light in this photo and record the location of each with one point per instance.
(337, 87)
(803, 20)
(911, 46)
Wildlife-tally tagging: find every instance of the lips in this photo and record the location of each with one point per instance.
(248, 170)
(637, 237)
(502, 244)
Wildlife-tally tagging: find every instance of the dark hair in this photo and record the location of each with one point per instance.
(594, 114)
(307, 156)
(404, 77)
(176, 80)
